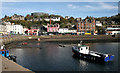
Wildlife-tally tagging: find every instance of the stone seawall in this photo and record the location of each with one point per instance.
(10, 39)
(81, 37)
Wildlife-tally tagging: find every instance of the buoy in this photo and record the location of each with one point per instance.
(38, 39)
(25, 43)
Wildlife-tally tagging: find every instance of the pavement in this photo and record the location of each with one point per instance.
(8, 66)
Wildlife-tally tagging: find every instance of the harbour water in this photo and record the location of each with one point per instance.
(48, 56)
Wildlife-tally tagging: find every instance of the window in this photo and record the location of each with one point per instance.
(35, 30)
(81, 48)
(2, 52)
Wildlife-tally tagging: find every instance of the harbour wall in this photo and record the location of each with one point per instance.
(60, 38)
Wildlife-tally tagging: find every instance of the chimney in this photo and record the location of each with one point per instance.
(50, 20)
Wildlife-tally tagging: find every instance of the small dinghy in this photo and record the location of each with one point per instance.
(61, 45)
(5, 53)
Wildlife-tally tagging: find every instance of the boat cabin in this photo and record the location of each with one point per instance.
(83, 49)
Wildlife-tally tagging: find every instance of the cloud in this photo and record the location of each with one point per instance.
(100, 6)
(107, 6)
(73, 6)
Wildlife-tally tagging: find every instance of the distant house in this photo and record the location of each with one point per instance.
(98, 23)
(17, 17)
(3, 29)
(52, 18)
(55, 18)
(86, 26)
(113, 22)
(25, 32)
(36, 19)
(41, 28)
(52, 28)
(17, 29)
(72, 31)
(78, 19)
(67, 17)
(32, 31)
(38, 14)
(9, 28)
(113, 30)
(67, 31)
(47, 19)
(63, 30)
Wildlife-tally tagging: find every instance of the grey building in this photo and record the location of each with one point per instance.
(17, 17)
(39, 14)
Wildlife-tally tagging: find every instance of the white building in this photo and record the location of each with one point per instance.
(63, 30)
(72, 31)
(3, 29)
(66, 30)
(7, 23)
(67, 17)
(98, 23)
(55, 18)
(46, 19)
(18, 29)
(52, 18)
(24, 30)
(9, 28)
(113, 30)
(17, 17)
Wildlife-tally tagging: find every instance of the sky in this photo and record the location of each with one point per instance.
(59, 0)
(75, 9)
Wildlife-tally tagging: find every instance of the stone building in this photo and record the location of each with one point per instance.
(86, 26)
(38, 14)
(17, 17)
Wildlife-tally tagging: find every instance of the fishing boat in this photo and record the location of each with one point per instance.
(5, 53)
(83, 52)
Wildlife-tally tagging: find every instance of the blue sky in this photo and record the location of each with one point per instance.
(75, 9)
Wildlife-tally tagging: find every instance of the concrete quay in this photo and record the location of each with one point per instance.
(8, 66)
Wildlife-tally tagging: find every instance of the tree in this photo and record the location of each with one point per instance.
(101, 30)
(71, 20)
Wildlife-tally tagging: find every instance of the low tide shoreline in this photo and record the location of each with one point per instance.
(66, 38)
